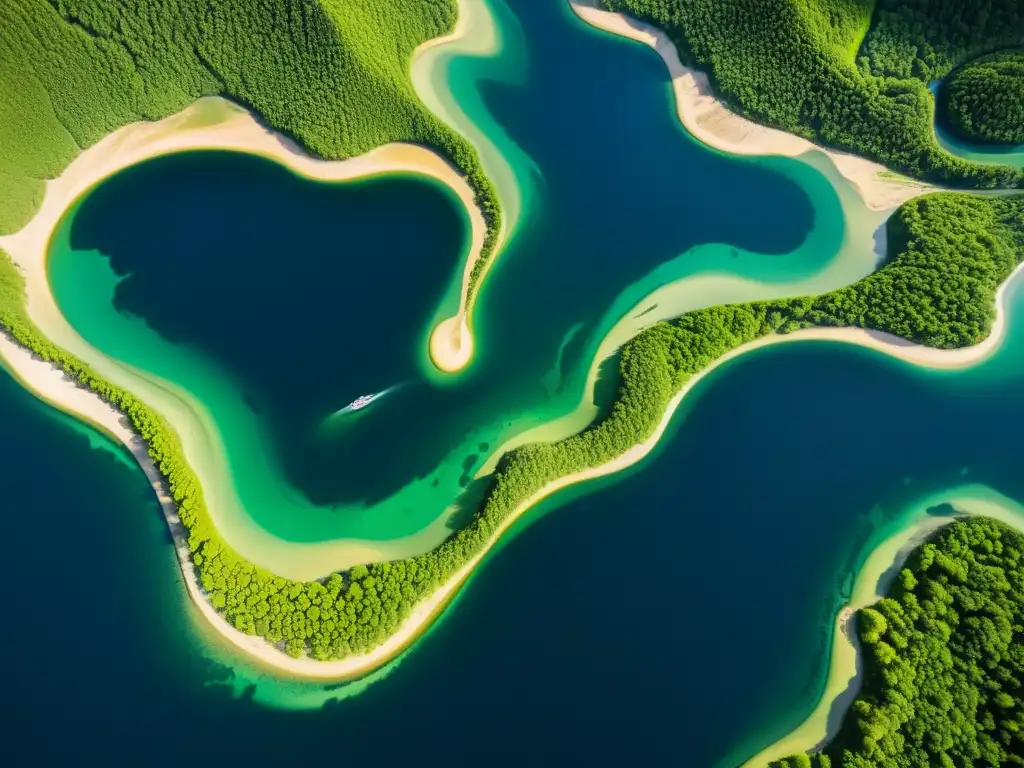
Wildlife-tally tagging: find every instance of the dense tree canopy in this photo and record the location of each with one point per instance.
(331, 73)
(943, 660)
(925, 39)
(984, 100)
(806, 67)
(950, 252)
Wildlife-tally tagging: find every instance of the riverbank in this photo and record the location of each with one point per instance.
(710, 121)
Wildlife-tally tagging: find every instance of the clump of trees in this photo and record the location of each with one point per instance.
(943, 659)
(332, 74)
(984, 100)
(950, 252)
(926, 39)
(850, 74)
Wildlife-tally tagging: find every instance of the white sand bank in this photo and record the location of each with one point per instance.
(451, 341)
(709, 120)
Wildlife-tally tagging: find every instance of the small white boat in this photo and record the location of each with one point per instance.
(362, 401)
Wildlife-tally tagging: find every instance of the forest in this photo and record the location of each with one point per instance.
(950, 253)
(983, 101)
(332, 74)
(850, 74)
(943, 659)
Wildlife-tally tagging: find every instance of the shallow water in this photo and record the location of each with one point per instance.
(303, 295)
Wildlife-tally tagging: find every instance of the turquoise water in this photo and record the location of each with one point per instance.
(304, 295)
(1012, 156)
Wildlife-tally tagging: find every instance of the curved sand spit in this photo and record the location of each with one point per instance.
(451, 340)
(238, 130)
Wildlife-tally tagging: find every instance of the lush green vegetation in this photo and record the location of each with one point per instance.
(925, 39)
(843, 72)
(984, 100)
(943, 659)
(331, 73)
(951, 251)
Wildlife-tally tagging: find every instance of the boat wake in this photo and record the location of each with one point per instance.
(360, 403)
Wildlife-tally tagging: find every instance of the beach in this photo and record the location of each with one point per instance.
(710, 121)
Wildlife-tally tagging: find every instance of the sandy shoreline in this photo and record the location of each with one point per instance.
(209, 124)
(450, 345)
(844, 676)
(711, 122)
(425, 611)
(53, 386)
(451, 342)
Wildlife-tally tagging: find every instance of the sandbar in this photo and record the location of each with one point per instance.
(476, 34)
(710, 121)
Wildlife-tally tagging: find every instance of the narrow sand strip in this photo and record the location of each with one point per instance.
(451, 340)
(710, 121)
(451, 343)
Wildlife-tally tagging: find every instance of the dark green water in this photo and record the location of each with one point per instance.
(276, 301)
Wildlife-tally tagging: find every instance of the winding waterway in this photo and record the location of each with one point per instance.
(680, 612)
